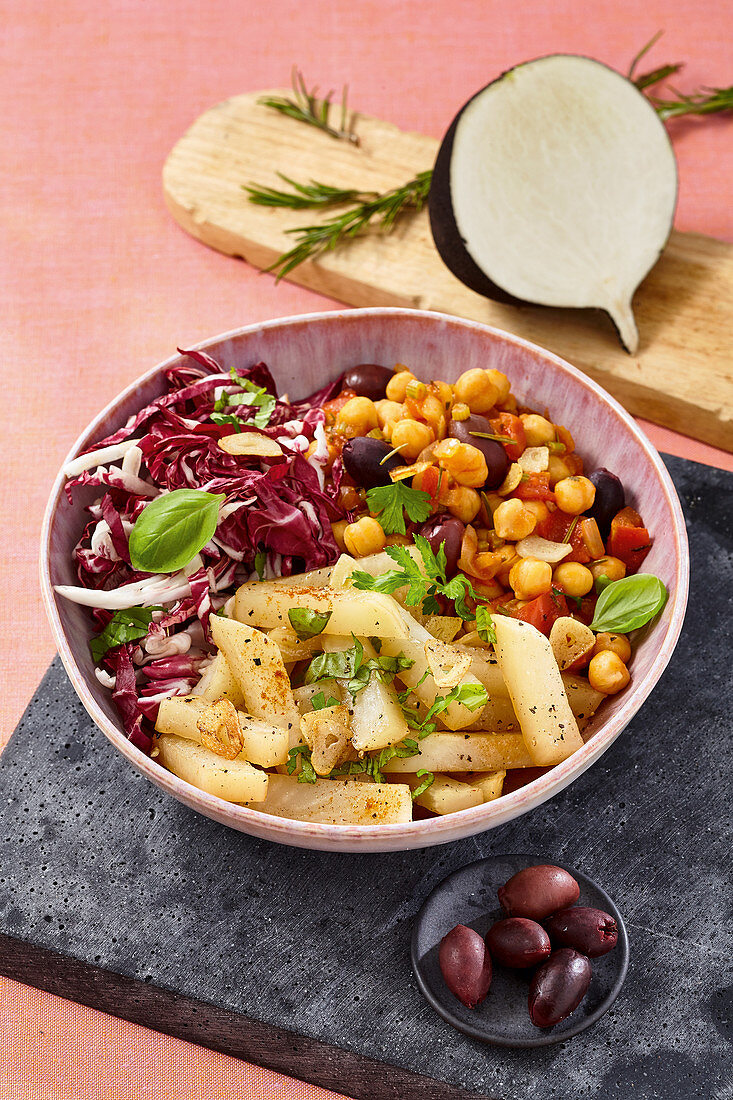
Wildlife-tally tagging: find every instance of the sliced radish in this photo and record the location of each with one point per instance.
(556, 185)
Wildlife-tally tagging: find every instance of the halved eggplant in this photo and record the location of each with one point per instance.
(556, 185)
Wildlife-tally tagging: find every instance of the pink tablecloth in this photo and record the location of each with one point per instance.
(99, 284)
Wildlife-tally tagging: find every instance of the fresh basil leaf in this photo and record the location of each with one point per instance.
(307, 623)
(226, 418)
(629, 603)
(171, 530)
(427, 782)
(125, 626)
(485, 624)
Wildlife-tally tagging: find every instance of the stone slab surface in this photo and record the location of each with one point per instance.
(97, 864)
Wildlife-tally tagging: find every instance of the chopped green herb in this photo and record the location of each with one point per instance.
(255, 396)
(307, 771)
(601, 582)
(307, 623)
(389, 503)
(260, 564)
(319, 701)
(484, 624)
(125, 626)
(427, 782)
(349, 665)
(571, 528)
(226, 418)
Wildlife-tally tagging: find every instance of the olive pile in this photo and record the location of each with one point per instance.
(560, 947)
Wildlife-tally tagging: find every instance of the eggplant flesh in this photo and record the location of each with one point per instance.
(556, 185)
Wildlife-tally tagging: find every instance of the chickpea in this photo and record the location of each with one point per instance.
(397, 386)
(465, 464)
(411, 437)
(513, 521)
(502, 384)
(616, 643)
(388, 413)
(463, 503)
(608, 673)
(357, 417)
(572, 578)
(364, 537)
(338, 529)
(432, 410)
(530, 577)
(537, 429)
(475, 389)
(575, 494)
(538, 508)
(444, 392)
(558, 469)
(613, 568)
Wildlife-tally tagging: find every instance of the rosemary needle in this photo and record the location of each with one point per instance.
(307, 107)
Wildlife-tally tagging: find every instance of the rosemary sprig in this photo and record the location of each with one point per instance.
(306, 196)
(366, 208)
(705, 101)
(307, 107)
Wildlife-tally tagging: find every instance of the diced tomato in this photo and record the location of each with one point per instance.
(630, 544)
(574, 463)
(333, 407)
(536, 487)
(507, 424)
(555, 527)
(429, 481)
(543, 611)
(627, 517)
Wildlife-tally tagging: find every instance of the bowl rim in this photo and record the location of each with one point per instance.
(421, 832)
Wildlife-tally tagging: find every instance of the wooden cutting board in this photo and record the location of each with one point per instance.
(682, 376)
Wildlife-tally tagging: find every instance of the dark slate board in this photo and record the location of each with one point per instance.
(280, 955)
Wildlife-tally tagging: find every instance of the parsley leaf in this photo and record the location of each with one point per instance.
(307, 623)
(484, 624)
(390, 502)
(423, 588)
(125, 626)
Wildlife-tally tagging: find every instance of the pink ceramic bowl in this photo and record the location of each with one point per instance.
(303, 353)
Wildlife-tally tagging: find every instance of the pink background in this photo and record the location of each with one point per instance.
(99, 284)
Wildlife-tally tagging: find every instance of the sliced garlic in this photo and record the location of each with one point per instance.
(536, 547)
(250, 443)
(511, 481)
(535, 460)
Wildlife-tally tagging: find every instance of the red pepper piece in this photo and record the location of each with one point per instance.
(543, 611)
(509, 425)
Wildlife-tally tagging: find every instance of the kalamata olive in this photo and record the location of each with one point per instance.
(446, 530)
(590, 931)
(368, 380)
(465, 965)
(610, 498)
(558, 987)
(366, 462)
(496, 457)
(518, 942)
(538, 891)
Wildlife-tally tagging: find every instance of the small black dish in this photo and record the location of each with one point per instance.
(468, 896)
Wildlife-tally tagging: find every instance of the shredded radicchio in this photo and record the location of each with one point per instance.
(282, 508)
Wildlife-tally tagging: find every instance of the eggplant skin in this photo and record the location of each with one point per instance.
(450, 244)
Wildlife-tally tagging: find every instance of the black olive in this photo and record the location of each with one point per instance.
(610, 499)
(496, 457)
(448, 531)
(365, 460)
(368, 380)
